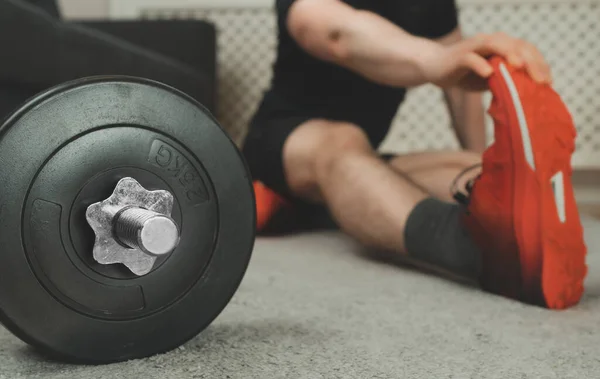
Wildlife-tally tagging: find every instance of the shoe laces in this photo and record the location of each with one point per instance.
(463, 196)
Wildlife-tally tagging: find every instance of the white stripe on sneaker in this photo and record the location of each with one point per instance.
(558, 187)
(512, 88)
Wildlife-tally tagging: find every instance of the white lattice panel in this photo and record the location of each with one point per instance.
(568, 35)
(246, 42)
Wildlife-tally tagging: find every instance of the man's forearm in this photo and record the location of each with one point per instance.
(384, 53)
(468, 118)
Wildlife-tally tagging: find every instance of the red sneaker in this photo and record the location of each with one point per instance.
(267, 204)
(522, 210)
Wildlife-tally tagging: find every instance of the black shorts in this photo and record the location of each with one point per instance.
(272, 124)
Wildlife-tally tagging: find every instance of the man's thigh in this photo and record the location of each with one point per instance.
(283, 152)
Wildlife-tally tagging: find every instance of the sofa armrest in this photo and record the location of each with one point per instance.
(191, 42)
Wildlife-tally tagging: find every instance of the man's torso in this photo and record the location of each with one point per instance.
(309, 84)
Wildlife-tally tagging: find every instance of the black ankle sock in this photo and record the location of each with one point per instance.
(434, 235)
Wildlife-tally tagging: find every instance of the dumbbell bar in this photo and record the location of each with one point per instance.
(127, 220)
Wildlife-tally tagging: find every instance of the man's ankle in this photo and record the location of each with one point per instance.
(435, 236)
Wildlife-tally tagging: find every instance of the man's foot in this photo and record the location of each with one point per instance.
(522, 210)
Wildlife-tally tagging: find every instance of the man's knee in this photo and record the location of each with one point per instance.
(314, 146)
(337, 141)
(318, 138)
(346, 137)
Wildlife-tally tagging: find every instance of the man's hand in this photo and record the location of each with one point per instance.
(464, 64)
(379, 50)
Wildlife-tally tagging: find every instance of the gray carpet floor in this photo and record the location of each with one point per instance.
(312, 306)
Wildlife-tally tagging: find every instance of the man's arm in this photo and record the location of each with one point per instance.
(465, 108)
(361, 41)
(377, 49)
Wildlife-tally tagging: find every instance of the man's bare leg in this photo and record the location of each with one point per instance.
(436, 171)
(334, 163)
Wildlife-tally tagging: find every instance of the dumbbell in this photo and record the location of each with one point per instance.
(127, 220)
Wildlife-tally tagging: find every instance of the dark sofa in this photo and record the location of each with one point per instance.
(40, 49)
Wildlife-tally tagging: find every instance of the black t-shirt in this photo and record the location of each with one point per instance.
(335, 92)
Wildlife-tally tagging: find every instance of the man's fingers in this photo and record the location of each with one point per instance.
(518, 53)
(533, 67)
(497, 44)
(477, 64)
(473, 54)
(515, 60)
(536, 66)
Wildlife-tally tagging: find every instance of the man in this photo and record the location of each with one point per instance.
(341, 71)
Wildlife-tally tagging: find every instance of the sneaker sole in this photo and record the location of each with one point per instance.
(546, 219)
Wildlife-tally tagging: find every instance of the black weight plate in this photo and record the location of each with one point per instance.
(66, 149)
